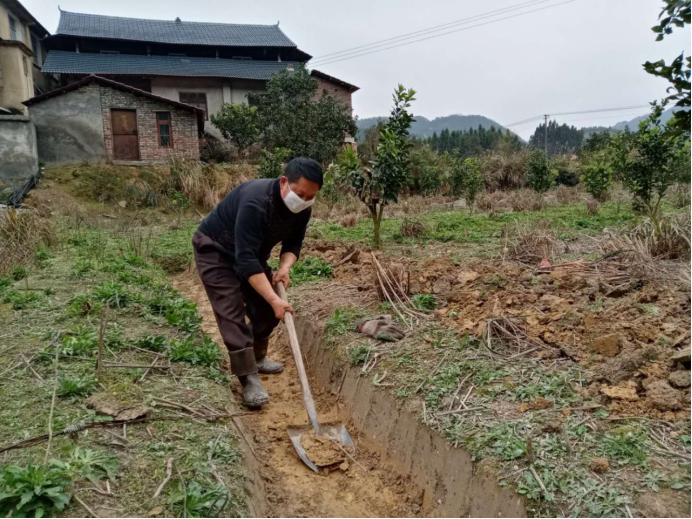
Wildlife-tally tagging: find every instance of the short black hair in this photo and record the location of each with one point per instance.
(303, 167)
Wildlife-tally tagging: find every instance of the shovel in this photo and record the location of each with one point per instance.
(335, 432)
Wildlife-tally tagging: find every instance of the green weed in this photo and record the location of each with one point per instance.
(626, 447)
(76, 386)
(424, 302)
(310, 269)
(187, 350)
(112, 293)
(5, 281)
(33, 490)
(84, 304)
(358, 354)
(81, 341)
(178, 312)
(156, 343)
(202, 498)
(22, 300)
(341, 322)
(223, 452)
(19, 272)
(90, 464)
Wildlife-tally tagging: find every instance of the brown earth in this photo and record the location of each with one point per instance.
(292, 489)
(625, 331)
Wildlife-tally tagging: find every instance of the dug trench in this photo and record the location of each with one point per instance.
(400, 468)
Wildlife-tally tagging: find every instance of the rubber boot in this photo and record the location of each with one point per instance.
(253, 392)
(264, 365)
(269, 367)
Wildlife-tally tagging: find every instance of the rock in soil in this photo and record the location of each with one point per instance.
(600, 465)
(682, 356)
(679, 379)
(663, 396)
(608, 345)
(321, 450)
(624, 391)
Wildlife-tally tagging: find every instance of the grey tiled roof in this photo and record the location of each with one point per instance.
(62, 62)
(165, 31)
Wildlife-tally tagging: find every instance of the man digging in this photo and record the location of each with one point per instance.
(232, 246)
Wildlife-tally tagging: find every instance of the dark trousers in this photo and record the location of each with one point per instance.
(232, 299)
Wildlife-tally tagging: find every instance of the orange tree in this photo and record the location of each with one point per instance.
(379, 183)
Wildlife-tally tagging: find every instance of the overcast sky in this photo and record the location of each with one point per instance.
(586, 54)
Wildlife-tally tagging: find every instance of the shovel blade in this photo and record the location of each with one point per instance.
(336, 432)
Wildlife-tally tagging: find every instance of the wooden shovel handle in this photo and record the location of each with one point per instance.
(297, 355)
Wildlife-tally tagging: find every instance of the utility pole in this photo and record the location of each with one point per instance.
(545, 134)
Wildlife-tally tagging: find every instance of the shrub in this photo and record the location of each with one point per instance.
(33, 490)
(568, 170)
(597, 176)
(239, 123)
(539, 176)
(471, 180)
(272, 165)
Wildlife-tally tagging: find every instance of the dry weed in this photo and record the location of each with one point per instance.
(532, 244)
(491, 202)
(411, 228)
(349, 220)
(526, 200)
(593, 206)
(504, 170)
(679, 195)
(21, 233)
(670, 241)
(566, 195)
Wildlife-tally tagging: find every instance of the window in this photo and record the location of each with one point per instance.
(36, 47)
(14, 29)
(197, 99)
(163, 122)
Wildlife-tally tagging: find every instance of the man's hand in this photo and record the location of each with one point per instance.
(282, 275)
(281, 307)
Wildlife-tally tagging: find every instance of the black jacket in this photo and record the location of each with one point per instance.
(250, 221)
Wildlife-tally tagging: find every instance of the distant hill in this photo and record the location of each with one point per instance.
(424, 127)
(634, 123)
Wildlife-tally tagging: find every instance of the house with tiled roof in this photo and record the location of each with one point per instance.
(196, 63)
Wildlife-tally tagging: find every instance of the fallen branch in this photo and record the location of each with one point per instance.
(86, 507)
(28, 364)
(538, 480)
(74, 429)
(463, 410)
(169, 475)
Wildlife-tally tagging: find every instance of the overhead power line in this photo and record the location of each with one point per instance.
(328, 61)
(435, 28)
(596, 110)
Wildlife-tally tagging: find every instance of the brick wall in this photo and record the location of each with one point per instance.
(183, 126)
(335, 91)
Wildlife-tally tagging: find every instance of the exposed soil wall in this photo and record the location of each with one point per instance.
(452, 486)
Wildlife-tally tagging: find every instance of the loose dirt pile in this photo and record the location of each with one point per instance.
(321, 450)
(627, 331)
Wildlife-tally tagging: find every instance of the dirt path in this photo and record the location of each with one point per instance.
(293, 489)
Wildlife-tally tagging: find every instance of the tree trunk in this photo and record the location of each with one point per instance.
(375, 226)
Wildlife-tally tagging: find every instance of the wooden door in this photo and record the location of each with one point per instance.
(125, 139)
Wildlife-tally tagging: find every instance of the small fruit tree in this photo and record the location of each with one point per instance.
(597, 175)
(379, 183)
(539, 176)
(467, 180)
(649, 163)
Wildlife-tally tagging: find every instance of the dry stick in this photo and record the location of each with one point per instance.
(525, 352)
(148, 369)
(462, 403)
(412, 313)
(455, 411)
(538, 480)
(138, 366)
(242, 435)
(349, 455)
(169, 475)
(432, 373)
(386, 294)
(52, 407)
(31, 368)
(102, 329)
(93, 514)
(180, 406)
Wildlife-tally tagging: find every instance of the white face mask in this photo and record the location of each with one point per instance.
(296, 204)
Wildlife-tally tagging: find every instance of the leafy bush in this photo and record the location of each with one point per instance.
(272, 165)
(239, 123)
(467, 179)
(32, 490)
(597, 176)
(568, 170)
(539, 176)
(76, 386)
